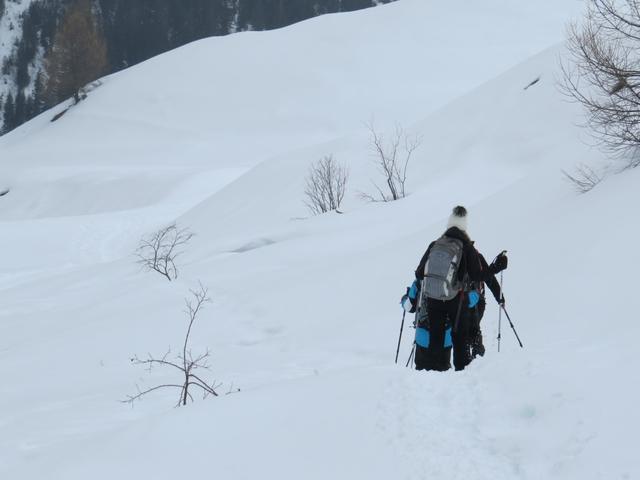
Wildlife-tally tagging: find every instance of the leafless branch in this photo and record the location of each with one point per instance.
(150, 362)
(584, 179)
(603, 74)
(132, 398)
(232, 390)
(326, 185)
(392, 156)
(159, 251)
(186, 363)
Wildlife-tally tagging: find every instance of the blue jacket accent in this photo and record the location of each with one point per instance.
(448, 341)
(413, 291)
(422, 337)
(474, 298)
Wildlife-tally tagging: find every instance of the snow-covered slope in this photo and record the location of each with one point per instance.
(10, 34)
(304, 317)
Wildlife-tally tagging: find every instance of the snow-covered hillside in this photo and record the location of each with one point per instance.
(10, 32)
(305, 316)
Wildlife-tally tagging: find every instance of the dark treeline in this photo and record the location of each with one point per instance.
(137, 30)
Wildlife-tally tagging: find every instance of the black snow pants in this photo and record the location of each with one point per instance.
(477, 313)
(462, 336)
(441, 316)
(475, 332)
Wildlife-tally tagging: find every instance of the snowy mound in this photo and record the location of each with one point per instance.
(304, 314)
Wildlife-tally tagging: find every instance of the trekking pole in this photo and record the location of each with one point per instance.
(415, 322)
(400, 337)
(500, 316)
(512, 327)
(413, 351)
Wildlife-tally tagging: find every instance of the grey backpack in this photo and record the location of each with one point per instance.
(441, 270)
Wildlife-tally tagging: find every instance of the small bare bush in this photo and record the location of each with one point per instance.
(584, 178)
(325, 186)
(159, 251)
(392, 157)
(186, 363)
(603, 74)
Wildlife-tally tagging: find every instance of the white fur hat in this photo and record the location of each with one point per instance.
(458, 218)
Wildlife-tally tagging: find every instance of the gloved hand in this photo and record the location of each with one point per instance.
(408, 302)
(405, 301)
(500, 263)
(501, 301)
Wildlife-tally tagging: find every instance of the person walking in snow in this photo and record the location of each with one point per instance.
(477, 302)
(448, 270)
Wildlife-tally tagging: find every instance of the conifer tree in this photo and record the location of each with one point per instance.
(8, 114)
(78, 55)
(39, 97)
(20, 113)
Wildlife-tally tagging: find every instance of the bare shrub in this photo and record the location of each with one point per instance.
(392, 157)
(584, 178)
(186, 363)
(159, 251)
(326, 185)
(603, 74)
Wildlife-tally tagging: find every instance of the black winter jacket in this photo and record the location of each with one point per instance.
(489, 277)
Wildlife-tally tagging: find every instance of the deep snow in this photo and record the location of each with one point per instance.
(305, 311)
